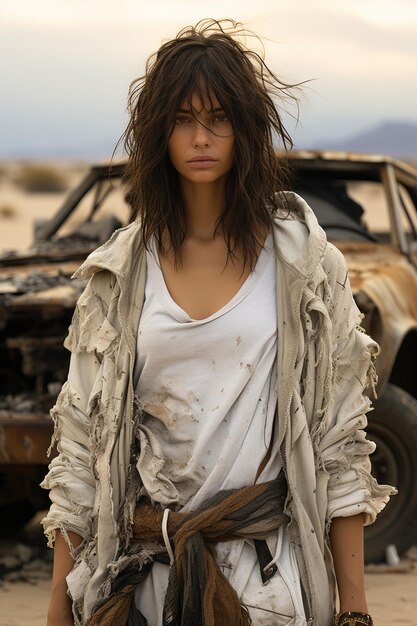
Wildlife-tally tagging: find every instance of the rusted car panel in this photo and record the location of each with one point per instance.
(24, 438)
(36, 305)
(389, 282)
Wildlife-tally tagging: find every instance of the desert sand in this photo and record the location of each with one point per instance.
(392, 597)
(19, 209)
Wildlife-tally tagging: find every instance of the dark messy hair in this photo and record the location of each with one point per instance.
(207, 60)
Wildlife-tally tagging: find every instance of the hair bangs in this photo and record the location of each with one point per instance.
(197, 78)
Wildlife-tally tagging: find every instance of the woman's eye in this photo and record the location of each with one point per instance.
(182, 119)
(221, 117)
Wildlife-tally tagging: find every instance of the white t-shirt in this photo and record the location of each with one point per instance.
(208, 392)
(208, 386)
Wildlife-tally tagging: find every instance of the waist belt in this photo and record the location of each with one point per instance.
(198, 593)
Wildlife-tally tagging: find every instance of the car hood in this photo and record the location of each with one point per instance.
(46, 252)
(39, 283)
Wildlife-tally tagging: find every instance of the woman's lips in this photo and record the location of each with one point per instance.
(202, 161)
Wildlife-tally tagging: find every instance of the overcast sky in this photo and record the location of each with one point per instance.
(66, 65)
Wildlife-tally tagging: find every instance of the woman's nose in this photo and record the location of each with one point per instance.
(201, 135)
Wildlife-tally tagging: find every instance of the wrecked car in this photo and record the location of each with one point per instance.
(368, 208)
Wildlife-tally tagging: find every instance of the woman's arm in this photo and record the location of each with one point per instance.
(59, 610)
(354, 497)
(70, 478)
(343, 446)
(346, 539)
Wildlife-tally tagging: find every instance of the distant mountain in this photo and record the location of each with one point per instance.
(397, 139)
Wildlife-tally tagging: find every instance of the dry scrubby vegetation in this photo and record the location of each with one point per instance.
(7, 211)
(41, 179)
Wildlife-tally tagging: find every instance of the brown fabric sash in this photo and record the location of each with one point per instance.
(198, 593)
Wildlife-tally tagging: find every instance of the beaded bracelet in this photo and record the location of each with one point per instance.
(353, 618)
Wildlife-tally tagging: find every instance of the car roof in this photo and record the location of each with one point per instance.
(350, 159)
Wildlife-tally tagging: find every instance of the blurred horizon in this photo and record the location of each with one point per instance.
(66, 67)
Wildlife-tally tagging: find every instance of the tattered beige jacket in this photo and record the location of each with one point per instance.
(324, 363)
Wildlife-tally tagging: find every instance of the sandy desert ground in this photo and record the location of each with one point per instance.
(392, 592)
(392, 600)
(19, 209)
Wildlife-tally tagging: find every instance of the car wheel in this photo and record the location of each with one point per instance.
(392, 425)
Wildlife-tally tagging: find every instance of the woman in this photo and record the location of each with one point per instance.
(212, 463)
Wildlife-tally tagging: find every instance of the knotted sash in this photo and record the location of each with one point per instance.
(198, 593)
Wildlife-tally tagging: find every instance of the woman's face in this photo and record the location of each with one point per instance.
(201, 144)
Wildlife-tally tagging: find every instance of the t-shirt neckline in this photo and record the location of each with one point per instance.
(169, 304)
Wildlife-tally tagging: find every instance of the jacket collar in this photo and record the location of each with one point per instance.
(118, 255)
(300, 243)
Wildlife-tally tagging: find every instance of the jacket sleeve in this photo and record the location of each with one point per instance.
(71, 477)
(344, 448)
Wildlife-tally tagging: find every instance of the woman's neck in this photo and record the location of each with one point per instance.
(204, 205)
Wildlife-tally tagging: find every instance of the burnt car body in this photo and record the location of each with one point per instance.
(368, 208)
